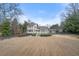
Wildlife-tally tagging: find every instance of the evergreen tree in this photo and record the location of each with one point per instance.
(71, 23)
(5, 28)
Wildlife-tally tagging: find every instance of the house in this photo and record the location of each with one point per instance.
(53, 31)
(33, 28)
(56, 29)
(43, 29)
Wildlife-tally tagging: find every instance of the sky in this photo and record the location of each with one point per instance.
(42, 13)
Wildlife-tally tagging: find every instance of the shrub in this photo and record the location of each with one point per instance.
(45, 34)
(32, 34)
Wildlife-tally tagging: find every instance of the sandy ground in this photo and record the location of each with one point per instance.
(56, 45)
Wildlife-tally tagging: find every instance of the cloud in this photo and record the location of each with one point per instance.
(38, 20)
(58, 17)
(43, 21)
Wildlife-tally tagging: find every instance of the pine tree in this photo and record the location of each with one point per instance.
(5, 28)
(71, 23)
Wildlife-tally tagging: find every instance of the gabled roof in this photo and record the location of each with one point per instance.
(31, 24)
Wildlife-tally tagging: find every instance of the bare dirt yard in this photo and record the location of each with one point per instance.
(55, 45)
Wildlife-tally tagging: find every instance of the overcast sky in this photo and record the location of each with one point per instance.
(42, 13)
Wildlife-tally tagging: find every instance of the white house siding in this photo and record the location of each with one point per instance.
(32, 29)
(53, 31)
(44, 31)
(35, 29)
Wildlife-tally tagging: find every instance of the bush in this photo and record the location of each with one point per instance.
(32, 34)
(45, 34)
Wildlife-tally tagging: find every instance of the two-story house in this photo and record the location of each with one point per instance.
(33, 28)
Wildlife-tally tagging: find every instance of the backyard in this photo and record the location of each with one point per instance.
(55, 45)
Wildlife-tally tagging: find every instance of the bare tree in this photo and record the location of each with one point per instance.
(15, 27)
(9, 10)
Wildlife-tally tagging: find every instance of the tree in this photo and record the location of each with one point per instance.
(71, 23)
(23, 27)
(9, 10)
(15, 27)
(5, 28)
(8, 13)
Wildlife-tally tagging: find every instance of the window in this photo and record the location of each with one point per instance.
(30, 30)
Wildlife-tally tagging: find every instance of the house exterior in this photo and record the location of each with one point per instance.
(53, 31)
(56, 29)
(44, 30)
(33, 28)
